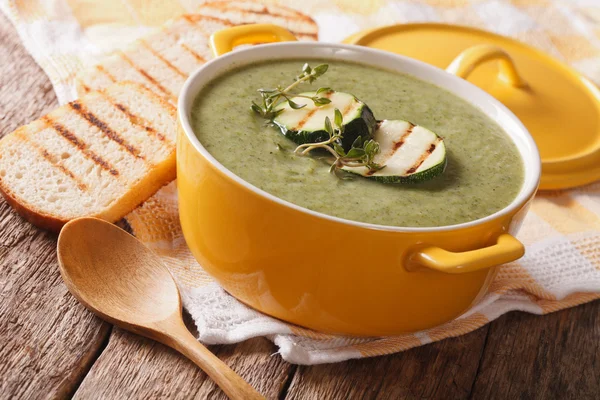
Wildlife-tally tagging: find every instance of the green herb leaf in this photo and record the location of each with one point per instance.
(306, 68)
(328, 126)
(323, 89)
(296, 106)
(371, 147)
(320, 70)
(256, 108)
(339, 149)
(338, 117)
(355, 153)
(321, 101)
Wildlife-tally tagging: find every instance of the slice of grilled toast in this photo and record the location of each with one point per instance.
(101, 156)
(163, 60)
(241, 12)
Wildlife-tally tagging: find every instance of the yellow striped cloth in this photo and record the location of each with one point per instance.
(562, 232)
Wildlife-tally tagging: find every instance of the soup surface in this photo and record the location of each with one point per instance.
(483, 175)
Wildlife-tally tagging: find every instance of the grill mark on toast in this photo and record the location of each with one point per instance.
(400, 142)
(104, 71)
(79, 144)
(189, 18)
(55, 163)
(85, 87)
(225, 6)
(309, 114)
(195, 22)
(197, 56)
(162, 59)
(104, 128)
(265, 11)
(146, 75)
(135, 119)
(232, 23)
(423, 157)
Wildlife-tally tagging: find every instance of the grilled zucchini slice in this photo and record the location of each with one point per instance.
(307, 124)
(410, 153)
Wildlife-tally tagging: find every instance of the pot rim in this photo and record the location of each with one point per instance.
(513, 127)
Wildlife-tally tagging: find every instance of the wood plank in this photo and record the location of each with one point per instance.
(132, 367)
(441, 370)
(48, 340)
(556, 356)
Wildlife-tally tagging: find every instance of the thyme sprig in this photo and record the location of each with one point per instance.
(361, 154)
(271, 98)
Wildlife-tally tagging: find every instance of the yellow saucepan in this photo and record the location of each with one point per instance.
(402, 279)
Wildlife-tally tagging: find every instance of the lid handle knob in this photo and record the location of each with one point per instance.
(472, 57)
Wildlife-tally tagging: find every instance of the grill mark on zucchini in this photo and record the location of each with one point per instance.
(423, 157)
(312, 112)
(346, 110)
(400, 142)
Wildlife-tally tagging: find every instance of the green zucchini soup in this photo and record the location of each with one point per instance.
(450, 164)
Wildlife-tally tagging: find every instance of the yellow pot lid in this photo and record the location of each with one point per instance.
(559, 106)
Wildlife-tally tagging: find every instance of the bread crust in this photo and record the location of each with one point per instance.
(160, 174)
(35, 217)
(55, 224)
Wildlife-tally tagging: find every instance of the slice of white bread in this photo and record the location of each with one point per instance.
(101, 156)
(163, 60)
(160, 61)
(241, 12)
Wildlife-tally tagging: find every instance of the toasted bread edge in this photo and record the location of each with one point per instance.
(161, 174)
(135, 196)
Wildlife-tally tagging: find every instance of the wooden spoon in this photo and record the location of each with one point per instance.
(119, 279)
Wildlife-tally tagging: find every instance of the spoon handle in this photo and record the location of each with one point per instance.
(231, 383)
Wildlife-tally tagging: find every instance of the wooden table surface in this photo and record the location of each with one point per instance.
(50, 346)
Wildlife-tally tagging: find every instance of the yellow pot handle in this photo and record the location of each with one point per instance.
(506, 249)
(472, 57)
(225, 40)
